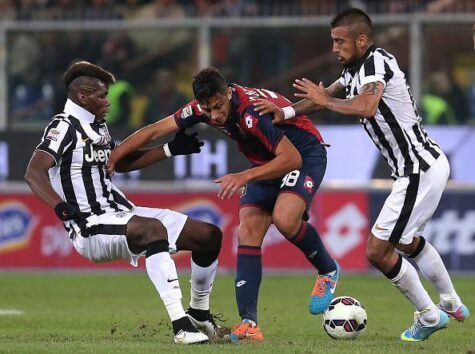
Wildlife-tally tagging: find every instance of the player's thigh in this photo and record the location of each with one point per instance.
(288, 213)
(199, 236)
(304, 183)
(411, 204)
(172, 221)
(103, 239)
(253, 225)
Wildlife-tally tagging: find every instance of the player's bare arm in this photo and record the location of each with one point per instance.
(287, 158)
(301, 107)
(38, 179)
(141, 138)
(182, 144)
(363, 105)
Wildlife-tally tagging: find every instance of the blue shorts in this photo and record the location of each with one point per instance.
(303, 182)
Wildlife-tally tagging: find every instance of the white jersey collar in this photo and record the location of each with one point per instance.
(78, 112)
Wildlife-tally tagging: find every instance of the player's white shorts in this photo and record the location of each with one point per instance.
(110, 243)
(411, 204)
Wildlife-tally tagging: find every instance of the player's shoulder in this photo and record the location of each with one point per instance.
(188, 110)
(383, 54)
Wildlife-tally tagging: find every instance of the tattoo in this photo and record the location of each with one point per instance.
(370, 89)
(336, 90)
(304, 107)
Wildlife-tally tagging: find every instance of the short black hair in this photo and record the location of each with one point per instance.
(207, 83)
(85, 68)
(351, 16)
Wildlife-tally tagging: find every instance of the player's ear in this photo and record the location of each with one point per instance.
(82, 98)
(362, 40)
(230, 93)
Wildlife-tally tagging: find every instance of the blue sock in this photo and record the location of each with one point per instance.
(248, 280)
(309, 242)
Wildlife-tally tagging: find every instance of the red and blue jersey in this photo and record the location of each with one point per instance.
(256, 136)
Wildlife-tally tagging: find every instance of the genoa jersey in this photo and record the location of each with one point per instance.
(256, 136)
(81, 151)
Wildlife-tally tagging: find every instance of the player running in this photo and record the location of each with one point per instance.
(288, 163)
(376, 91)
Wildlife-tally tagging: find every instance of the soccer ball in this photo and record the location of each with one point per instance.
(345, 318)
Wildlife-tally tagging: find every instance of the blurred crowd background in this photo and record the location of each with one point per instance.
(155, 51)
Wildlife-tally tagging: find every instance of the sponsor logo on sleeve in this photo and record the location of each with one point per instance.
(53, 135)
(186, 112)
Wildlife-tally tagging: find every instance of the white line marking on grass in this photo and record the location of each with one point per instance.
(10, 312)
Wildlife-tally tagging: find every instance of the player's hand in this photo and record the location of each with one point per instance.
(66, 211)
(110, 166)
(230, 183)
(184, 144)
(267, 107)
(311, 91)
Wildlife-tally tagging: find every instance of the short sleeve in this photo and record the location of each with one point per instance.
(262, 128)
(189, 115)
(375, 69)
(56, 139)
(341, 80)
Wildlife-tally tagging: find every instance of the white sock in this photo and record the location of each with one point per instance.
(408, 282)
(162, 272)
(201, 284)
(433, 269)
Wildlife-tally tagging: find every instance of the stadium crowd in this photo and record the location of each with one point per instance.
(152, 78)
(139, 9)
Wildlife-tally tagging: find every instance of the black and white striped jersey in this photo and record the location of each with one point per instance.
(396, 127)
(81, 147)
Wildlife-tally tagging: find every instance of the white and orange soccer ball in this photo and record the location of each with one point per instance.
(345, 318)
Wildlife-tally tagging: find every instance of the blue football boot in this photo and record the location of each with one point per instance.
(324, 291)
(419, 332)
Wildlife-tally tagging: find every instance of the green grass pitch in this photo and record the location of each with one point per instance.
(121, 313)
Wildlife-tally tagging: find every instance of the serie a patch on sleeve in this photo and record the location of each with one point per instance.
(53, 135)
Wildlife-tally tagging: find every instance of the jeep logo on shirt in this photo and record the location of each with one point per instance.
(97, 154)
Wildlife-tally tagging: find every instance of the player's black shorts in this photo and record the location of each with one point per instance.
(303, 182)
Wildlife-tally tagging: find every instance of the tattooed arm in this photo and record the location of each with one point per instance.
(363, 105)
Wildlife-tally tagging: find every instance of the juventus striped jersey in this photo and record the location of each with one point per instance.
(396, 128)
(81, 147)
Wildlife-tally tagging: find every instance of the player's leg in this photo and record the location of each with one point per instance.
(253, 225)
(423, 253)
(288, 218)
(397, 223)
(204, 240)
(142, 231)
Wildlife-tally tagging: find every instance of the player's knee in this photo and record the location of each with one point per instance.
(215, 237)
(287, 224)
(246, 235)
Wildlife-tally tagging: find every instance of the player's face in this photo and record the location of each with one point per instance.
(344, 46)
(97, 102)
(217, 108)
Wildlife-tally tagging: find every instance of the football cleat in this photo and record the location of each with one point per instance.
(419, 332)
(205, 321)
(324, 291)
(184, 337)
(461, 314)
(447, 304)
(247, 330)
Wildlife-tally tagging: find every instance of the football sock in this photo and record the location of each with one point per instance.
(184, 324)
(248, 280)
(404, 276)
(433, 269)
(310, 243)
(162, 272)
(201, 284)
